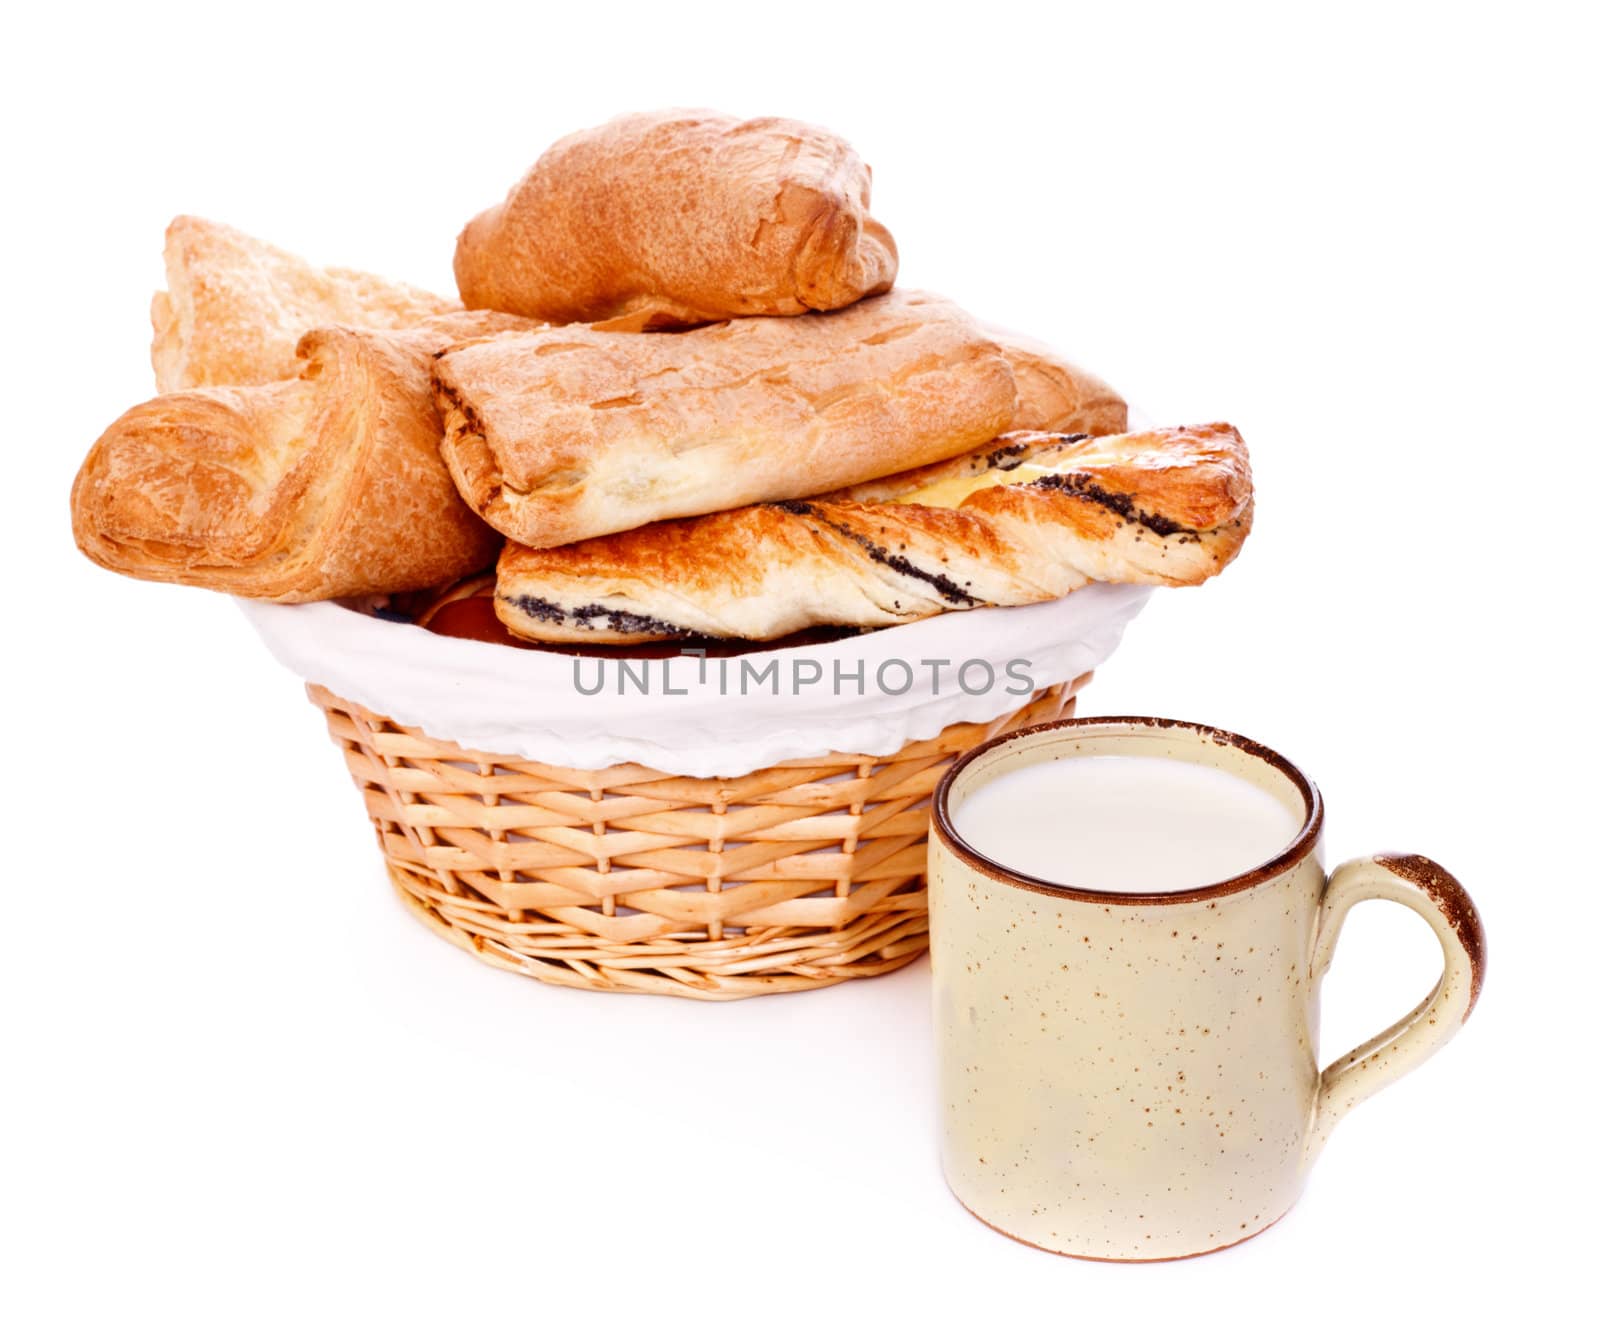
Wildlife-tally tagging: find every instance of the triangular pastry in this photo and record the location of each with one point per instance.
(235, 308)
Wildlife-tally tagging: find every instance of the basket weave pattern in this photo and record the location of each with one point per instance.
(637, 880)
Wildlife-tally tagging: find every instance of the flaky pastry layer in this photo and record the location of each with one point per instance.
(570, 432)
(235, 307)
(1167, 506)
(665, 219)
(323, 485)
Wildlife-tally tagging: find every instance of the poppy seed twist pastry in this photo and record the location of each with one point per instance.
(1030, 517)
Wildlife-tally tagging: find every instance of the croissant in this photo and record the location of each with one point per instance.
(569, 432)
(663, 219)
(323, 485)
(1029, 518)
(235, 308)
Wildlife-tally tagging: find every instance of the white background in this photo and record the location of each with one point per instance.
(248, 1097)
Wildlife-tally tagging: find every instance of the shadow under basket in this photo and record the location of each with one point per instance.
(636, 880)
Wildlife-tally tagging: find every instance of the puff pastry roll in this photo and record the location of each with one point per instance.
(1053, 394)
(235, 308)
(567, 433)
(663, 219)
(327, 484)
(1031, 517)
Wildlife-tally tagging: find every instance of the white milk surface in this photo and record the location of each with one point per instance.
(1125, 823)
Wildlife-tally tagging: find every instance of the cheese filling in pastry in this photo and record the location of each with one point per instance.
(955, 491)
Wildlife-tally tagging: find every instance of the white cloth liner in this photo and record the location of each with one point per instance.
(524, 702)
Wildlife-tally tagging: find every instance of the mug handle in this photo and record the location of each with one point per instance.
(1423, 886)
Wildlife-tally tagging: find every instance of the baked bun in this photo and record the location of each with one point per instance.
(666, 219)
(235, 308)
(1030, 518)
(565, 433)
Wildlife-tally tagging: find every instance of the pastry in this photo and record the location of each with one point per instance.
(1053, 394)
(466, 611)
(1030, 518)
(323, 485)
(665, 219)
(235, 308)
(566, 433)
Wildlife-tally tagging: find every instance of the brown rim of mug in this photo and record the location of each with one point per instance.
(1302, 844)
(1118, 1259)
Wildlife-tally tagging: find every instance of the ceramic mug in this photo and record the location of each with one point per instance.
(1134, 1077)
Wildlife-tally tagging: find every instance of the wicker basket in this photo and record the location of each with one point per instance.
(636, 880)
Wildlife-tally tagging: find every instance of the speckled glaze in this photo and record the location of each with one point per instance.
(1135, 1077)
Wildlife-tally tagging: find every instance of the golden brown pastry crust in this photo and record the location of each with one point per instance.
(1055, 395)
(324, 485)
(1168, 507)
(567, 433)
(235, 308)
(663, 219)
